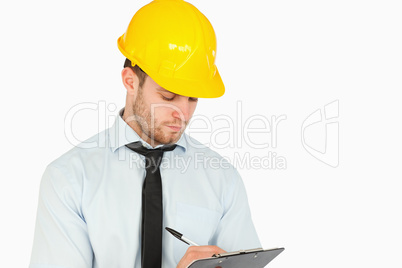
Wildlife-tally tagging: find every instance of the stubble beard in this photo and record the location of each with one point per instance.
(150, 126)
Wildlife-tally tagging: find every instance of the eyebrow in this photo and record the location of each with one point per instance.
(163, 90)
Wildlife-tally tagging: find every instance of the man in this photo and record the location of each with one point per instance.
(98, 207)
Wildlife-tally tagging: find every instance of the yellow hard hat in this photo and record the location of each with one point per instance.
(175, 44)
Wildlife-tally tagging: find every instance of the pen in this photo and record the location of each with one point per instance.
(180, 236)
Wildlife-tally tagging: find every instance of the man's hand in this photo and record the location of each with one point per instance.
(200, 252)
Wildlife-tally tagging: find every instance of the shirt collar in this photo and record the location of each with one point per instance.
(121, 134)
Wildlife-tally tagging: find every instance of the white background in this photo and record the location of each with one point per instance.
(276, 57)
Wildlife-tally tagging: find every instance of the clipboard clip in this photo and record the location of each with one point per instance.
(241, 251)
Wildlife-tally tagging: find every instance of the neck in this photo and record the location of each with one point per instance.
(131, 120)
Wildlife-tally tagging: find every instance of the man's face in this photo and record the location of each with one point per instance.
(161, 116)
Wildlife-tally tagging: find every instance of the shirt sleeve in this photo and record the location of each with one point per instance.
(61, 237)
(236, 230)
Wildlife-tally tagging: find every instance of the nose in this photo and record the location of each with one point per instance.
(183, 109)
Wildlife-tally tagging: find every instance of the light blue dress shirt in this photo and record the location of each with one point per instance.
(89, 210)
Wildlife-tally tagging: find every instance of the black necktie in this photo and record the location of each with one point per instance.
(152, 208)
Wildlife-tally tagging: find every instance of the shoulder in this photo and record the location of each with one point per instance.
(211, 159)
(196, 147)
(72, 163)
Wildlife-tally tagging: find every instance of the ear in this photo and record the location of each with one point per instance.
(130, 81)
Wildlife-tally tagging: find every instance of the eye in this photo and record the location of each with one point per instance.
(193, 99)
(167, 99)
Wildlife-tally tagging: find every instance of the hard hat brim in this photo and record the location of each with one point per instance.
(208, 88)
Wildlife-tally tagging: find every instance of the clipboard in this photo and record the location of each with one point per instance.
(252, 258)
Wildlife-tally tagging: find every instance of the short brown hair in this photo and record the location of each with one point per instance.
(138, 71)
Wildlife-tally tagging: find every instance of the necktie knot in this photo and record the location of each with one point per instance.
(153, 157)
(139, 148)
